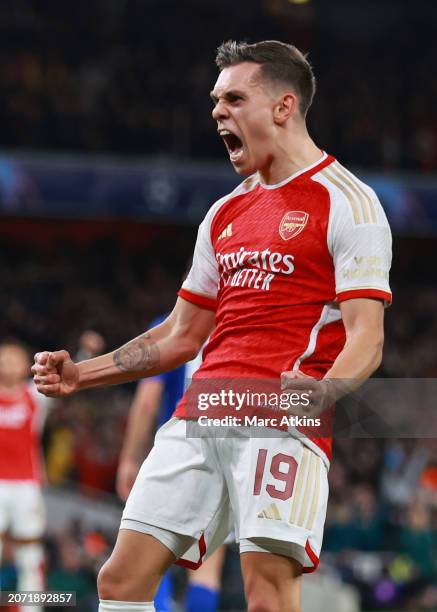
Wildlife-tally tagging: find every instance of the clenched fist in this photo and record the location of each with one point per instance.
(54, 373)
(317, 393)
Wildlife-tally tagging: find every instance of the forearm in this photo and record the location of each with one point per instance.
(360, 357)
(138, 437)
(363, 320)
(177, 340)
(155, 351)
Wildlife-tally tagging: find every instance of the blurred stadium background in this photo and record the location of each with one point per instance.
(108, 161)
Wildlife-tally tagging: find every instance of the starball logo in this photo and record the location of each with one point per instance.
(253, 269)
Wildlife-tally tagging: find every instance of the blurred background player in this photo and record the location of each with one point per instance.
(153, 404)
(22, 517)
(23, 413)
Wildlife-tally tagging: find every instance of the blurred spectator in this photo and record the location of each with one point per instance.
(357, 523)
(402, 470)
(139, 83)
(91, 344)
(418, 541)
(70, 573)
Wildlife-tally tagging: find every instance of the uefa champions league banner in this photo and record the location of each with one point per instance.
(167, 190)
(84, 188)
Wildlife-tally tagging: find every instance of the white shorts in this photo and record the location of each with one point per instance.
(273, 490)
(22, 510)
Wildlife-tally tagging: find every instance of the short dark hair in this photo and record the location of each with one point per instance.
(280, 63)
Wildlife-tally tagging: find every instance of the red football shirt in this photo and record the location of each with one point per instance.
(274, 261)
(22, 414)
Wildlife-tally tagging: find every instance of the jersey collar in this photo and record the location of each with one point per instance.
(322, 161)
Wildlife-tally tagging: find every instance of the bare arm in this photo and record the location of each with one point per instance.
(139, 433)
(361, 355)
(177, 340)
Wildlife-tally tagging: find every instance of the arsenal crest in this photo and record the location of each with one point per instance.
(292, 224)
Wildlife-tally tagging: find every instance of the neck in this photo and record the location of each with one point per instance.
(293, 152)
(9, 387)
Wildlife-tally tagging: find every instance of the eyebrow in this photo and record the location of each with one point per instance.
(228, 95)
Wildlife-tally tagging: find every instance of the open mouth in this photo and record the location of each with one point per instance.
(233, 144)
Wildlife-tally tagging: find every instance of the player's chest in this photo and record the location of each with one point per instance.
(282, 235)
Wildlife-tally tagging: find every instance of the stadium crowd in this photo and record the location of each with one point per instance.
(123, 89)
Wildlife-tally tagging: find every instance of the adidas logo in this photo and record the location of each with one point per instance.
(271, 512)
(226, 233)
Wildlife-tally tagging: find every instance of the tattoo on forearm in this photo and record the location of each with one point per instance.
(139, 354)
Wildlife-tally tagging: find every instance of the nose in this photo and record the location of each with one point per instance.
(219, 111)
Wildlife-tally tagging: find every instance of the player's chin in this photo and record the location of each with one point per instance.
(243, 166)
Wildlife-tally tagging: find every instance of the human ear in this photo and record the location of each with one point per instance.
(285, 107)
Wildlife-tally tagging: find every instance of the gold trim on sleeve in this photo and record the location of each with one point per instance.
(329, 175)
(354, 180)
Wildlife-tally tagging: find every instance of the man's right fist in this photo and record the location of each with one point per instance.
(55, 374)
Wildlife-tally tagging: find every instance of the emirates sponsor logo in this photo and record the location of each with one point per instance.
(292, 224)
(253, 269)
(265, 260)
